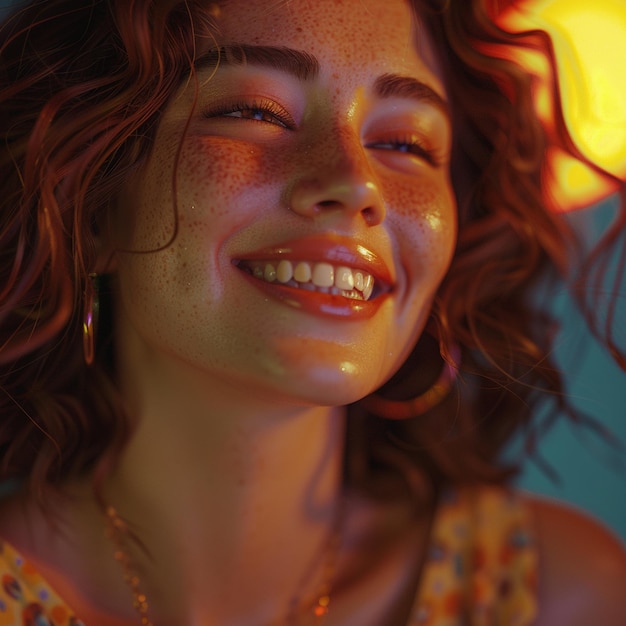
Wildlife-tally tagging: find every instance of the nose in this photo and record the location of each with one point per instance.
(334, 177)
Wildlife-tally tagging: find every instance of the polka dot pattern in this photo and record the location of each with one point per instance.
(25, 597)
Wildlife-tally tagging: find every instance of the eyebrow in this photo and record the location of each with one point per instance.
(298, 63)
(397, 86)
(305, 66)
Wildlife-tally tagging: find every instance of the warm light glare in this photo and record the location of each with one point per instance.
(576, 184)
(590, 46)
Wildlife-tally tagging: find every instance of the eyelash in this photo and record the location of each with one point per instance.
(414, 145)
(280, 116)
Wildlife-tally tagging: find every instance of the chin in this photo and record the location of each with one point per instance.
(337, 388)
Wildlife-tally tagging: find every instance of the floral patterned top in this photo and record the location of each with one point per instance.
(480, 570)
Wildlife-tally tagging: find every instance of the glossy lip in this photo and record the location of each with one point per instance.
(332, 249)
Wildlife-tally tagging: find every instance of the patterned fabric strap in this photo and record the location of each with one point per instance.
(482, 563)
(25, 597)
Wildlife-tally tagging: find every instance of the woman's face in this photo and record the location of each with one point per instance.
(315, 213)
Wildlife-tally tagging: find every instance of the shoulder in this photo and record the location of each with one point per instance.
(582, 567)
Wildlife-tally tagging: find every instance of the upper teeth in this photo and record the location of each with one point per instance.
(324, 277)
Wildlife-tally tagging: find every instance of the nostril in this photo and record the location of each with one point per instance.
(369, 214)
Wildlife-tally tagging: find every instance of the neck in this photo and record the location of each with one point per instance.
(227, 492)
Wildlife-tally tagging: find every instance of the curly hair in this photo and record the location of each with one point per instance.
(82, 87)
(508, 242)
(83, 84)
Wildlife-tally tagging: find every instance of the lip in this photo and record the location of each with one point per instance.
(332, 249)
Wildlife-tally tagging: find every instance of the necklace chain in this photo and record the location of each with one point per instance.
(117, 531)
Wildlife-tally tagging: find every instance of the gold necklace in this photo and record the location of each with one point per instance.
(117, 531)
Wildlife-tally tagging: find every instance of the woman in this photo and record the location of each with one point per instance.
(268, 203)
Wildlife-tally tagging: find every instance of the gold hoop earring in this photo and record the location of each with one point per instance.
(91, 309)
(414, 407)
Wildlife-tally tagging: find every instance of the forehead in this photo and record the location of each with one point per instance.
(380, 35)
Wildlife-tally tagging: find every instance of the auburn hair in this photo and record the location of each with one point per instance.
(82, 87)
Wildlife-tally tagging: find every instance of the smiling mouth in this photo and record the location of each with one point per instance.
(321, 277)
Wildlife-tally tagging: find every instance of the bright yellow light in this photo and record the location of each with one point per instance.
(590, 45)
(576, 184)
(592, 53)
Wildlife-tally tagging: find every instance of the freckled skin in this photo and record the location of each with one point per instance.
(238, 187)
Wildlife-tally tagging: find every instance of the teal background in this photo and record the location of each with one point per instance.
(592, 474)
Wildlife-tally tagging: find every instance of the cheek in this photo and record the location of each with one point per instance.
(185, 214)
(214, 186)
(222, 182)
(146, 212)
(213, 173)
(423, 214)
